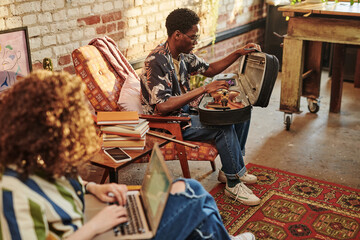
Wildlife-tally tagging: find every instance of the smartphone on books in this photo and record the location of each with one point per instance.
(117, 154)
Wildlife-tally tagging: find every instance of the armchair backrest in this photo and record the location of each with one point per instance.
(107, 75)
(103, 85)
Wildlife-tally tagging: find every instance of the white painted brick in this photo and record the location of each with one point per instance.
(13, 22)
(133, 12)
(6, 2)
(153, 27)
(142, 38)
(50, 5)
(150, 18)
(151, 36)
(85, 41)
(29, 19)
(141, 21)
(128, 4)
(35, 43)
(150, 9)
(2, 24)
(221, 25)
(132, 22)
(84, 2)
(55, 63)
(134, 31)
(27, 7)
(49, 40)
(63, 38)
(74, 12)
(159, 17)
(41, 54)
(77, 35)
(118, 5)
(123, 44)
(138, 2)
(85, 10)
(108, 6)
(160, 34)
(44, 30)
(98, 8)
(89, 32)
(4, 12)
(133, 41)
(59, 15)
(166, 6)
(44, 17)
(65, 49)
(34, 31)
(61, 26)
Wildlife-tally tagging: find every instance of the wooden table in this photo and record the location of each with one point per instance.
(112, 168)
(331, 22)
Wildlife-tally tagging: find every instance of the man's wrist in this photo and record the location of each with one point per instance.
(204, 89)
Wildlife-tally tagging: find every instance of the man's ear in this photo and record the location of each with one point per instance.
(177, 34)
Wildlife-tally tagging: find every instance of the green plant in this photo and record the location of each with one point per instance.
(197, 81)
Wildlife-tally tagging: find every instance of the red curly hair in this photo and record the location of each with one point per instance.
(46, 125)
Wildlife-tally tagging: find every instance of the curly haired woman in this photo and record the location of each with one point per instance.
(46, 135)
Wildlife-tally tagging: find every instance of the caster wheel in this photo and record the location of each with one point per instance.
(287, 123)
(313, 106)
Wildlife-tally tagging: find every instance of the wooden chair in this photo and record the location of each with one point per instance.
(103, 86)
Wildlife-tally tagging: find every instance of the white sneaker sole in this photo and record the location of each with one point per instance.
(222, 178)
(242, 200)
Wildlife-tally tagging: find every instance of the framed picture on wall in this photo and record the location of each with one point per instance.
(15, 59)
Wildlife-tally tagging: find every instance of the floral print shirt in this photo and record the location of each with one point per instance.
(159, 80)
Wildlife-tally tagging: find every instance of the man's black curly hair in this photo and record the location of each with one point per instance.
(181, 19)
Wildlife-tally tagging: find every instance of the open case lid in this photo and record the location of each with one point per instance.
(257, 75)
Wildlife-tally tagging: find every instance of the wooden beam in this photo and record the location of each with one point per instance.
(325, 30)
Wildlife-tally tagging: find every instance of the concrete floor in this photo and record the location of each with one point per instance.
(324, 146)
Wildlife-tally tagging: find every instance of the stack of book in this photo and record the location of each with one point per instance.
(123, 129)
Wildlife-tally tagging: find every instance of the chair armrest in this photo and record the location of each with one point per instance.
(158, 118)
(169, 123)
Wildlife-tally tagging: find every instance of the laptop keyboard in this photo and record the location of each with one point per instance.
(134, 224)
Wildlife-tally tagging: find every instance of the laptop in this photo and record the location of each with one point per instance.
(149, 205)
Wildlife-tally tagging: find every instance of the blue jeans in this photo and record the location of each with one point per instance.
(192, 214)
(229, 140)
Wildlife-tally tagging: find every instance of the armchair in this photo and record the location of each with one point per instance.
(103, 88)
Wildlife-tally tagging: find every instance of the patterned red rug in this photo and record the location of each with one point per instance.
(293, 207)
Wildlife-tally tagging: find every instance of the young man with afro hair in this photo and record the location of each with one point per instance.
(166, 91)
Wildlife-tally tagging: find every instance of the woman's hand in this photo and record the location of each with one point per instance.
(106, 219)
(111, 192)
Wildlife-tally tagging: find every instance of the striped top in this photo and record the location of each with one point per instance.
(39, 209)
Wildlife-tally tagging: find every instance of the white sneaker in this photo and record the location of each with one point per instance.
(243, 236)
(246, 178)
(240, 194)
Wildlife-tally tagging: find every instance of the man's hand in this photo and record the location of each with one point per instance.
(248, 48)
(216, 85)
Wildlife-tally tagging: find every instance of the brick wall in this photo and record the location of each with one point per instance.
(57, 27)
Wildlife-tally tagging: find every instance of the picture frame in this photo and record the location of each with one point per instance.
(15, 57)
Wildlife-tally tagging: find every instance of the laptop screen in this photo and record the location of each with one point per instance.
(155, 188)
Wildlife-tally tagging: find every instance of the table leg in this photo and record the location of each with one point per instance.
(113, 176)
(311, 84)
(291, 80)
(337, 78)
(357, 69)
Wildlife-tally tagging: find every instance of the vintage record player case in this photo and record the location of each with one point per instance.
(251, 86)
